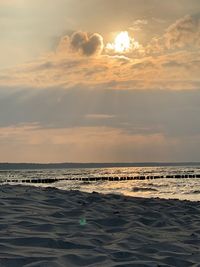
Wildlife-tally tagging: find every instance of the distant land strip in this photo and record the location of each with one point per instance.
(28, 166)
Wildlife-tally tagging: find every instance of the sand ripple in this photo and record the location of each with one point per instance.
(48, 227)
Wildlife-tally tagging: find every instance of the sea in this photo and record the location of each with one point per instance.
(168, 188)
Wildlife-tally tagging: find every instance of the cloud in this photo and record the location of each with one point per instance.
(170, 113)
(174, 71)
(185, 31)
(86, 44)
(63, 45)
(83, 144)
(99, 116)
(96, 144)
(74, 125)
(138, 24)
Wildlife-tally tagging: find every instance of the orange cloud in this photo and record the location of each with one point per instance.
(79, 144)
(156, 68)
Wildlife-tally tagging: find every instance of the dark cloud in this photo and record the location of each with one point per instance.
(78, 39)
(174, 113)
(82, 118)
(86, 44)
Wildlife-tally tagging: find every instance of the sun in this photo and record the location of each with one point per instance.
(121, 44)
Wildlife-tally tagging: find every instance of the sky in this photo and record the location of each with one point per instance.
(99, 80)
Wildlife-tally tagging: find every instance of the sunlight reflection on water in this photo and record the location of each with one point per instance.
(181, 188)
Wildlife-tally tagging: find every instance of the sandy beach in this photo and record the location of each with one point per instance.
(50, 227)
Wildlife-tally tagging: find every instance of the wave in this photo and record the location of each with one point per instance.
(143, 189)
(193, 192)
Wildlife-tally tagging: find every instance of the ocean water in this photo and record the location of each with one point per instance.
(179, 188)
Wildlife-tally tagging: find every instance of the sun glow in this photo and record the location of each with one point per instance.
(123, 43)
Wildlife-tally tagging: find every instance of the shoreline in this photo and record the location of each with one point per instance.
(51, 227)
